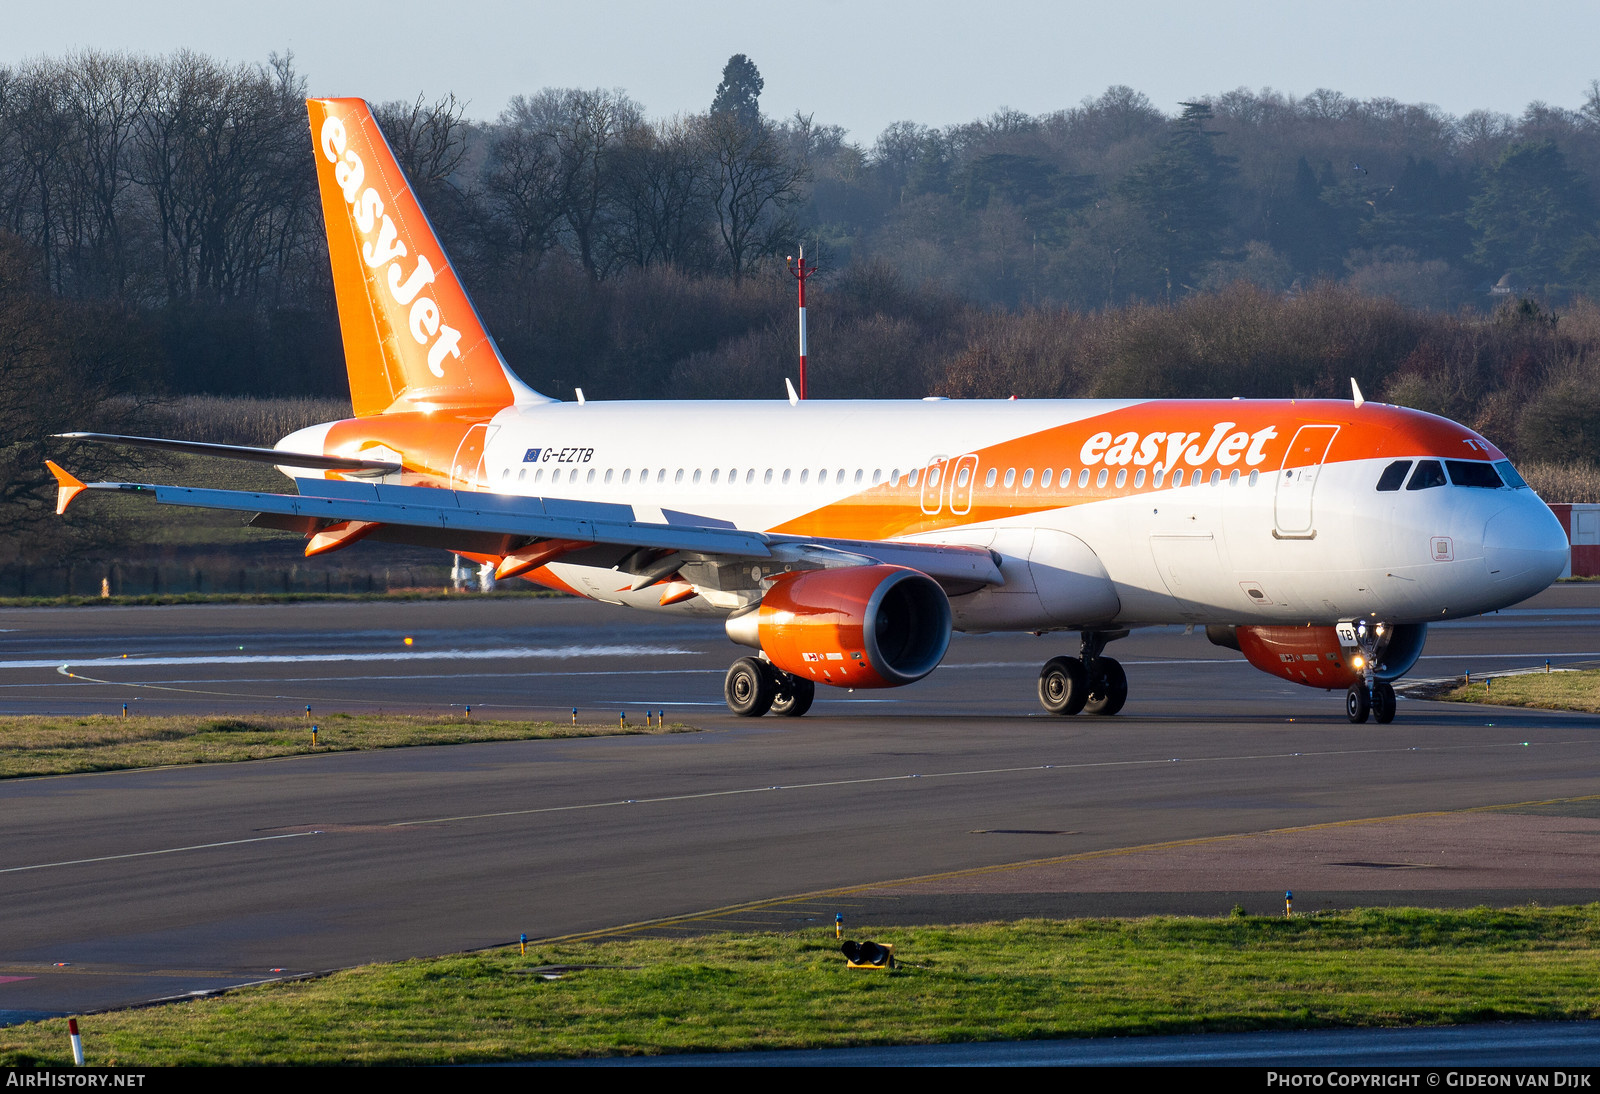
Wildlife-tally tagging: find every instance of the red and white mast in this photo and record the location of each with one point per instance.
(800, 274)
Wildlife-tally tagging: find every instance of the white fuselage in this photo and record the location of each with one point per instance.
(1257, 541)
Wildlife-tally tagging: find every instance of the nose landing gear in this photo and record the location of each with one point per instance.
(1369, 695)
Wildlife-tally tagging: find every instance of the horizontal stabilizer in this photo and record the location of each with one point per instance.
(240, 452)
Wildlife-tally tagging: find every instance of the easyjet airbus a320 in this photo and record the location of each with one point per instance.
(843, 542)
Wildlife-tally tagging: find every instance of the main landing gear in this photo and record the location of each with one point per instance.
(1091, 682)
(754, 686)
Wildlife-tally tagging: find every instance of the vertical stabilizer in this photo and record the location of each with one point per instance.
(412, 339)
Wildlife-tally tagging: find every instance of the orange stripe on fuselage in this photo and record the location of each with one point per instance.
(1219, 435)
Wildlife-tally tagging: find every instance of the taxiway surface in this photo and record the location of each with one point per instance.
(128, 886)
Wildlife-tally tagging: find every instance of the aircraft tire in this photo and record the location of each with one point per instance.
(1356, 704)
(749, 688)
(795, 696)
(1062, 687)
(1110, 691)
(1382, 703)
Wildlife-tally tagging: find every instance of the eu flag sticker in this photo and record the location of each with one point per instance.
(532, 456)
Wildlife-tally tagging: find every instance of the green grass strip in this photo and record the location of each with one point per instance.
(1027, 980)
(63, 746)
(1548, 691)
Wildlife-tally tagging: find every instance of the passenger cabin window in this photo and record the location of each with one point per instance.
(1427, 475)
(1473, 473)
(1027, 478)
(1394, 475)
(988, 480)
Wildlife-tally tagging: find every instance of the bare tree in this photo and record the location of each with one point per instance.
(522, 179)
(755, 186)
(585, 132)
(221, 154)
(429, 139)
(663, 197)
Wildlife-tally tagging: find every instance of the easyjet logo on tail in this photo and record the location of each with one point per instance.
(382, 248)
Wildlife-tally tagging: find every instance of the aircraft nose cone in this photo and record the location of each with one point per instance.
(1525, 546)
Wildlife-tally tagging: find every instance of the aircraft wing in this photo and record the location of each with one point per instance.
(471, 521)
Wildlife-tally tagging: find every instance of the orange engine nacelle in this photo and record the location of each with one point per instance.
(1315, 657)
(856, 627)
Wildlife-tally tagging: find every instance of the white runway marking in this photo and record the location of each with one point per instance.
(162, 851)
(560, 653)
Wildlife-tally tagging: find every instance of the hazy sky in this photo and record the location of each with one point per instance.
(860, 63)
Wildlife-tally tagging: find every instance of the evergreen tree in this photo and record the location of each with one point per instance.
(1180, 192)
(739, 93)
(1531, 211)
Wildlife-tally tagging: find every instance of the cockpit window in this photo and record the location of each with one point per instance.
(1394, 475)
(1473, 473)
(1509, 474)
(1427, 475)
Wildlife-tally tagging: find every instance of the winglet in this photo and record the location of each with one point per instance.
(794, 396)
(70, 486)
(1355, 390)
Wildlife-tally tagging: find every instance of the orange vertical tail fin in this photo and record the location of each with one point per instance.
(412, 339)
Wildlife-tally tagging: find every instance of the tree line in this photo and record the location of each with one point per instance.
(160, 234)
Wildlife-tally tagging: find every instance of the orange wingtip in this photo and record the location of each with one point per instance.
(71, 487)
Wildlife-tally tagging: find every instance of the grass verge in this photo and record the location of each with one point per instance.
(63, 746)
(1027, 980)
(1549, 691)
